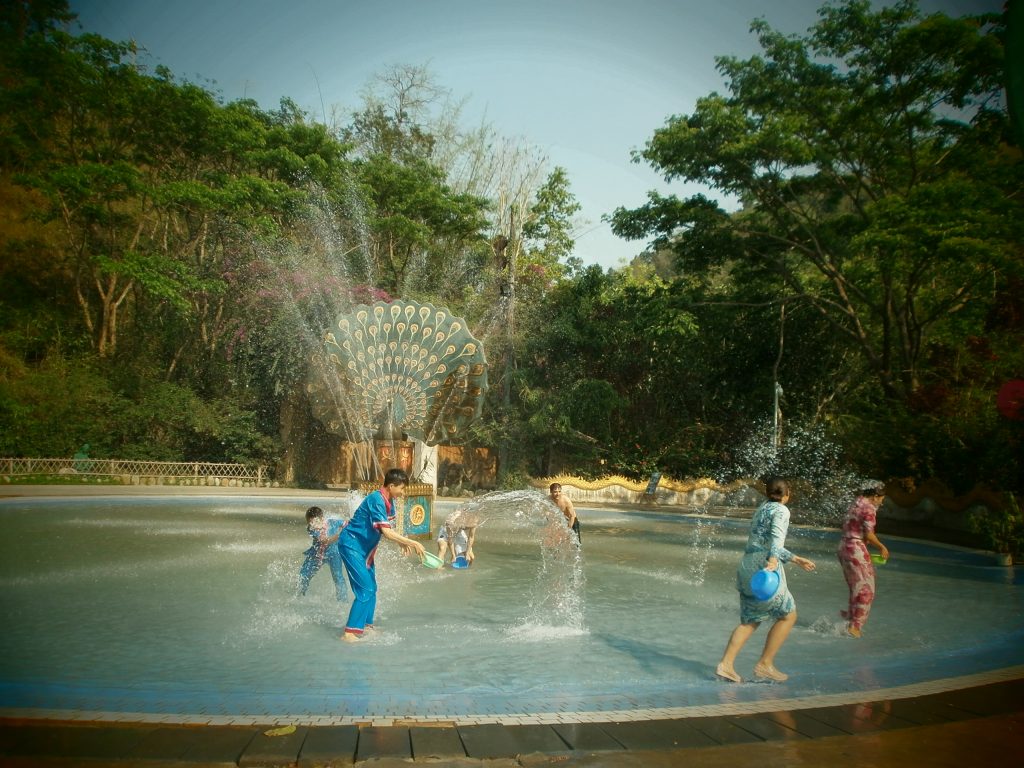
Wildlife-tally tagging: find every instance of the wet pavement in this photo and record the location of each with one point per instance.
(976, 726)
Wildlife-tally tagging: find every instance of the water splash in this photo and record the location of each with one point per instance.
(701, 548)
(823, 482)
(823, 485)
(313, 280)
(555, 602)
(278, 609)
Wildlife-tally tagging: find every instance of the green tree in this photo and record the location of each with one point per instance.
(871, 164)
(418, 235)
(607, 382)
(414, 220)
(20, 18)
(549, 229)
(164, 214)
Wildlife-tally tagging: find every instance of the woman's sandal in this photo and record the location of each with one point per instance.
(770, 673)
(725, 674)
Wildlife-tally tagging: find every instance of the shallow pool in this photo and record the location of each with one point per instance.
(170, 606)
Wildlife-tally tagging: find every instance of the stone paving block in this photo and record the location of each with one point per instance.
(765, 728)
(994, 699)
(436, 743)
(488, 741)
(266, 750)
(723, 731)
(658, 734)
(330, 745)
(799, 721)
(78, 741)
(166, 744)
(531, 738)
(376, 741)
(586, 737)
(217, 745)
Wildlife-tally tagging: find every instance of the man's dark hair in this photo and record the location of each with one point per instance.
(396, 476)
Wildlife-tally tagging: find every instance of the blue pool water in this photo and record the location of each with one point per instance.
(173, 606)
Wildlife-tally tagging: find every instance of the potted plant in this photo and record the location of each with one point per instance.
(1003, 528)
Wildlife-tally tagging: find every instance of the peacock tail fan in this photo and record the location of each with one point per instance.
(404, 366)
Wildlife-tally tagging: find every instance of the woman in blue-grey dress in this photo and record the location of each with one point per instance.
(766, 548)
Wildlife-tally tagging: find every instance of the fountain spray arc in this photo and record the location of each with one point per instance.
(386, 373)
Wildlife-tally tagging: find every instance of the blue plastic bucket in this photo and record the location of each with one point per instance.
(764, 584)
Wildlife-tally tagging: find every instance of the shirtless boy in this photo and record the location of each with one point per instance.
(565, 504)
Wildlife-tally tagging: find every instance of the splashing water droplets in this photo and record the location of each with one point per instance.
(555, 601)
(822, 482)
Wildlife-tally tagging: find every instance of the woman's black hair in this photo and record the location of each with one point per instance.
(775, 488)
(871, 488)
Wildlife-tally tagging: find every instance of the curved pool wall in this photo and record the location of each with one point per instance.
(182, 609)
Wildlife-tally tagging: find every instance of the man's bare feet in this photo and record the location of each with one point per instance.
(727, 674)
(764, 672)
(350, 637)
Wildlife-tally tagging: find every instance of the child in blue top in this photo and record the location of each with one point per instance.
(358, 541)
(324, 534)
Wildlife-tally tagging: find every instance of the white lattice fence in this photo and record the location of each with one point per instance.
(135, 472)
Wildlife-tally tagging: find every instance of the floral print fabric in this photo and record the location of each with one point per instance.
(768, 529)
(855, 560)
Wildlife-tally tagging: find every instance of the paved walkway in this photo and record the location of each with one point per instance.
(978, 726)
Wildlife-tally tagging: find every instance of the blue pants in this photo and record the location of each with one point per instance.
(363, 579)
(311, 565)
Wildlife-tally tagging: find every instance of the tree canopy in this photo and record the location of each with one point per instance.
(169, 259)
(877, 186)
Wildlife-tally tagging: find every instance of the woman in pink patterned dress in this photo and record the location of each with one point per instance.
(858, 532)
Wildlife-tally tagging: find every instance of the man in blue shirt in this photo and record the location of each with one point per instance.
(358, 541)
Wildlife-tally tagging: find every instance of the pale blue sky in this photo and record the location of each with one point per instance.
(584, 81)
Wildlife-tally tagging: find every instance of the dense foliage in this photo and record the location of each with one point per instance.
(880, 212)
(169, 259)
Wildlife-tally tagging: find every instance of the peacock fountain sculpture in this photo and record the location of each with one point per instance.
(401, 368)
